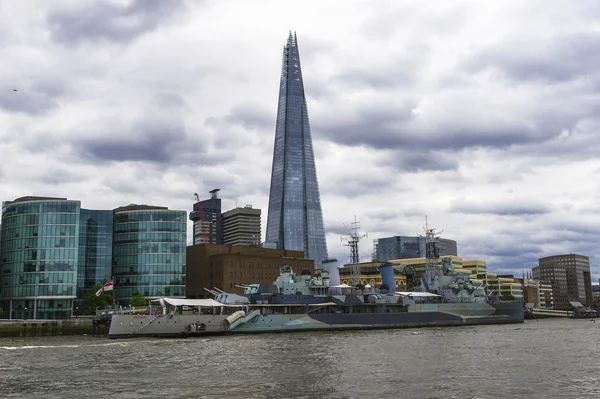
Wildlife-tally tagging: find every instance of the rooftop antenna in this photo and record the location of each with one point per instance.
(352, 240)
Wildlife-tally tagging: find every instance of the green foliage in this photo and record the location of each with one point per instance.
(91, 302)
(507, 297)
(138, 300)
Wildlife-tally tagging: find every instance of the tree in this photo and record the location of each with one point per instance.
(138, 300)
(91, 302)
(507, 297)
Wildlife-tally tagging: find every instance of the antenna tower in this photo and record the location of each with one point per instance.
(432, 253)
(352, 240)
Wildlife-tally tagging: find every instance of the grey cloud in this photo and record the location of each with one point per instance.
(507, 208)
(26, 100)
(553, 60)
(150, 139)
(104, 20)
(411, 161)
(252, 116)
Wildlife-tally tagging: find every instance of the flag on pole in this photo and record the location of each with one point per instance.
(106, 287)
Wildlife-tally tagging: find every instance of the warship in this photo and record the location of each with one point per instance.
(307, 302)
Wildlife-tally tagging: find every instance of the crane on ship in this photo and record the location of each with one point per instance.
(203, 225)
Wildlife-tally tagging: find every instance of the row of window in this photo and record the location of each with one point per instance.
(40, 266)
(40, 219)
(123, 294)
(42, 304)
(39, 278)
(149, 227)
(37, 290)
(39, 243)
(252, 275)
(155, 216)
(42, 254)
(260, 265)
(126, 238)
(133, 281)
(155, 248)
(40, 231)
(147, 259)
(40, 207)
(154, 269)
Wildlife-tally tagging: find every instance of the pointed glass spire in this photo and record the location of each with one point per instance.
(295, 219)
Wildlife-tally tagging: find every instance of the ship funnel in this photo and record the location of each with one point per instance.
(387, 276)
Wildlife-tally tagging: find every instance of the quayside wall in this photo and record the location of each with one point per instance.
(33, 328)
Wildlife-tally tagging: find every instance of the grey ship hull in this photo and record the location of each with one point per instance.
(422, 316)
(128, 326)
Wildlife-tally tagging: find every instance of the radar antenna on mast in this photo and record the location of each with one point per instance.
(352, 240)
(432, 252)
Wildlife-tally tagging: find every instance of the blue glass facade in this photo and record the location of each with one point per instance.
(95, 249)
(295, 219)
(39, 244)
(406, 247)
(149, 249)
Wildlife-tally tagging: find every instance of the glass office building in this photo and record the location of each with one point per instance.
(407, 247)
(95, 250)
(295, 219)
(39, 245)
(149, 248)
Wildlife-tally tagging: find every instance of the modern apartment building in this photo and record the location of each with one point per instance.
(149, 252)
(408, 247)
(40, 251)
(241, 226)
(570, 278)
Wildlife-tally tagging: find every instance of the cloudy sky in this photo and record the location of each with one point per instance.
(481, 115)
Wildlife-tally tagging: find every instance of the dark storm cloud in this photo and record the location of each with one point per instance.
(161, 141)
(26, 100)
(552, 60)
(512, 208)
(411, 161)
(105, 20)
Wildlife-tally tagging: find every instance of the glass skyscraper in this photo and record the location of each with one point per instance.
(149, 249)
(40, 248)
(295, 219)
(95, 249)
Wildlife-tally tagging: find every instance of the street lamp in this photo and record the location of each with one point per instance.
(25, 314)
(76, 311)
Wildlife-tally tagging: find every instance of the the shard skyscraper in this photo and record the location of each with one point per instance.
(295, 219)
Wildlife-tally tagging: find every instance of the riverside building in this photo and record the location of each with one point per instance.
(149, 252)
(227, 267)
(570, 278)
(39, 247)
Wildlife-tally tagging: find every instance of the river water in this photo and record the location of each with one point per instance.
(544, 359)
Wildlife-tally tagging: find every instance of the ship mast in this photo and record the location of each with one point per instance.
(352, 240)
(432, 254)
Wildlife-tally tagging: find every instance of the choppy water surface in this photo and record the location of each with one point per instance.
(545, 359)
